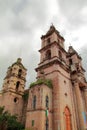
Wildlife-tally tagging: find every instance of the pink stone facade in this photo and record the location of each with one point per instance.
(62, 107)
(38, 114)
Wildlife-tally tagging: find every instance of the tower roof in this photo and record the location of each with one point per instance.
(72, 51)
(18, 62)
(51, 30)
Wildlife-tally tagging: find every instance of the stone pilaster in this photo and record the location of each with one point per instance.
(85, 97)
(80, 107)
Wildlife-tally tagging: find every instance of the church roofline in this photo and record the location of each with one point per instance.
(40, 85)
(74, 52)
(50, 31)
(18, 62)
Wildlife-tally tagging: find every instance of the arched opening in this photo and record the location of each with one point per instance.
(19, 73)
(15, 99)
(67, 119)
(47, 101)
(70, 62)
(47, 124)
(48, 54)
(17, 85)
(34, 102)
(60, 55)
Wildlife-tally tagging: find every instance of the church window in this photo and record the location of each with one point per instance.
(47, 101)
(48, 40)
(17, 85)
(48, 54)
(60, 55)
(32, 122)
(16, 100)
(70, 62)
(47, 124)
(19, 73)
(34, 102)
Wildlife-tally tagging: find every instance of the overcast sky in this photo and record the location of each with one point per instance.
(22, 22)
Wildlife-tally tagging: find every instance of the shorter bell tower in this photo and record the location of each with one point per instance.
(13, 88)
(15, 78)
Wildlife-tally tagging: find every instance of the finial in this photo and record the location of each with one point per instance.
(52, 27)
(19, 60)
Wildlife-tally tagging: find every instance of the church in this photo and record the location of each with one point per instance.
(57, 100)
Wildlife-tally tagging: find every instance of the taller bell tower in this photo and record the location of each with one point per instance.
(54, 65)
(52, 51)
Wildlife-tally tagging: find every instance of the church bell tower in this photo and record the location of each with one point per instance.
(15, 78)
(54, 65)
(13, 88)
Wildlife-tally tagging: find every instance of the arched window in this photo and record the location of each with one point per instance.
(48, 54)
(67, 119)
(19, 73)
(17, 85)
(60, 54)
(15, 99)
(47, 124)
(70, 62)
(34, 102)
(47, 101)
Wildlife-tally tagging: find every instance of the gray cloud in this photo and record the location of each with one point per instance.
(71, 9)
(22, 22)
(22, 15)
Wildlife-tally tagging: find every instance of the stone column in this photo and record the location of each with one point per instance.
(80, 106)
(85, 97)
